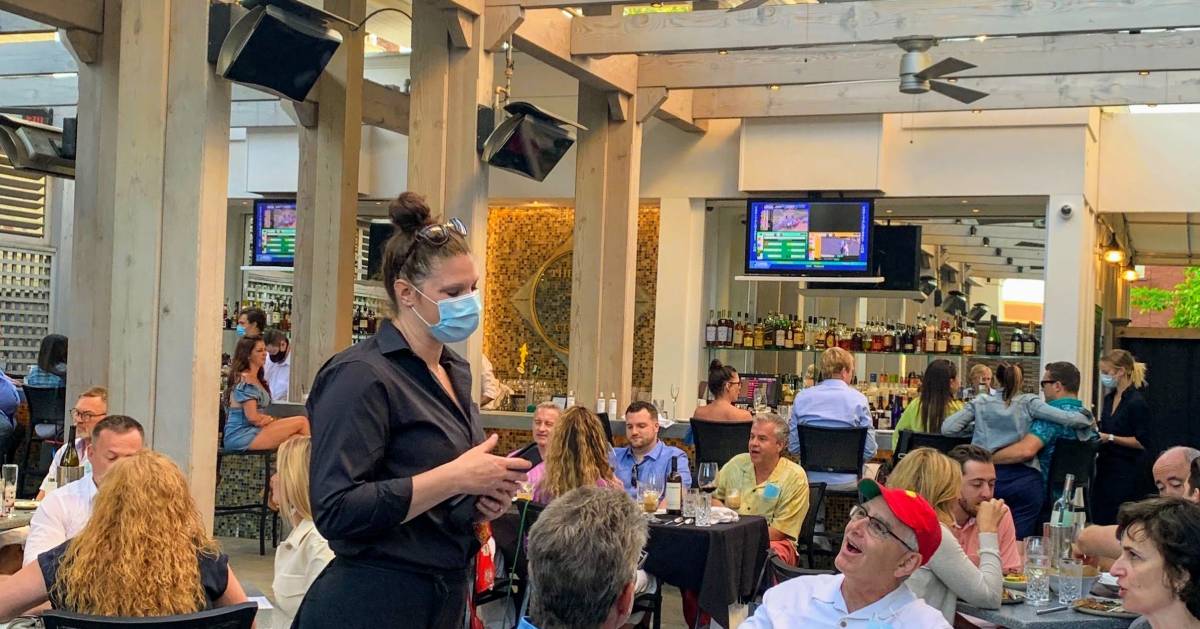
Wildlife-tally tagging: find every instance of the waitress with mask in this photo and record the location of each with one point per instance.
(1121, 467)
(401, 472)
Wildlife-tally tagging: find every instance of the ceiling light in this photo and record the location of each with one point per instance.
(976, 111)
(887, 211)
(981, 38)
(974, 210)
(1112, 251)
(952, 80)
(1152, 105)
(774, 88)
(964, 201)
(722, 52)
(1144, 73)
(1129, 274)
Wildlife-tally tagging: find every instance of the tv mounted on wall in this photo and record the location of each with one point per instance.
(274, 232)
(809, 237)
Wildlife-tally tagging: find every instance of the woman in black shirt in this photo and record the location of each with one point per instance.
(1124, 420)
(400, 469)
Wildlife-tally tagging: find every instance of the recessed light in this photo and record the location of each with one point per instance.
(1144, 73)
(964, 201)
(974, 210)
(981, 38)
(976, 111)
(1152, 104)
(952, 80)
(774, 88)
(722, 52)
(887, 211)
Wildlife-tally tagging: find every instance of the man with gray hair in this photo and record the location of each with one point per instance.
(570, 589)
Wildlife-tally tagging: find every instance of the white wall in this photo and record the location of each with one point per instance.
(1148, 163)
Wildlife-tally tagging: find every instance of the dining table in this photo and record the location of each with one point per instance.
(16, 520)
(1022, 616)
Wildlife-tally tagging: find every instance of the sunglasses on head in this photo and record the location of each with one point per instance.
(434, 235)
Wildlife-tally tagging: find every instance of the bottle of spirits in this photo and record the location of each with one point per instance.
(831, 336)
(1080, 511)
(710, 329)
(907, 344)
(769, 331)
(931, 333)
(781, 332)
(1029, 345)
(857, 340)
(601, 403)
(738, 331)
(956, 337)
(759, 335)
(789, 332)
(1016, 343)
(800, 341)
(748, 333)
(674, 490)
(970, 339)
(943, 338)
(992, 347)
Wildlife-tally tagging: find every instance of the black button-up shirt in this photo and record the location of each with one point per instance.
(379, 418)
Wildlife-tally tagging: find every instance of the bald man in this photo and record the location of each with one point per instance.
(1171, 472)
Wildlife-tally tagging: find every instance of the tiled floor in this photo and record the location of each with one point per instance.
(256, 573)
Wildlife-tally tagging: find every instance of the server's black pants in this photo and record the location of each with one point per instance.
(350, 594)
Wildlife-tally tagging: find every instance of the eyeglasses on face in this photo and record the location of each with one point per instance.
(876, 527)
(435, 235)
(85, 415)
(1046, 382)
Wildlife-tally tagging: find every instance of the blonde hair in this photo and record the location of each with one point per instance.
(99, 392)
(935, 476)
(577, 455)
(1124, 360)
(834, 361)
(978, 370)
(137, 556)
(293, 457)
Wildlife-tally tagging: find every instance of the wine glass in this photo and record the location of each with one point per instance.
(706, 477)
(674, 400)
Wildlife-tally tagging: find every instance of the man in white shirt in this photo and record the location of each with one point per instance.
(90, 408)
(889, 537)
(278, 369)
(67, 510)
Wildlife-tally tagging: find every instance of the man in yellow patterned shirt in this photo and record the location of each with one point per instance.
(763, 483)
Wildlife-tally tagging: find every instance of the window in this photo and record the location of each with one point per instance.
(22, 201)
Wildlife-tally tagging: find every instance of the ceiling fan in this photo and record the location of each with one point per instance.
(917, 71)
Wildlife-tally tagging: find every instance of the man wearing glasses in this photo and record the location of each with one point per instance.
(90, 408)
(1060, 387)
(890, 535)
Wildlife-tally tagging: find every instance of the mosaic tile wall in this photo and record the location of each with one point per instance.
(519, 241)
(241, 483)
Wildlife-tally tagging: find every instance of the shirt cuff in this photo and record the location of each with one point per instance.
(989, 543)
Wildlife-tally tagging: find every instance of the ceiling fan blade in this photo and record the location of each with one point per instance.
(949, 65)
(960, 94)
(747, 5)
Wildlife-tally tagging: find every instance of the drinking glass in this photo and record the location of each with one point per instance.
(706, 477)
(1037, 579)
(1036, 546)
(8, 480)
(650, 491)
(1070, 580)
(733, 498)
(674, 400)
(690, 501)
(704, 511)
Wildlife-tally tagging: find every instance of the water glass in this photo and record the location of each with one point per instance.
(690, 500)
(1070, 581)
(704, 511)
(1037, 580)
(8, 481)
(1037, 546)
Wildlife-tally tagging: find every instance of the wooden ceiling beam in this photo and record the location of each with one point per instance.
(1026, 92)
(85, 15)
(11, 23)
(545, 35)
(677, 112)
(1024, 56)
(775, 26)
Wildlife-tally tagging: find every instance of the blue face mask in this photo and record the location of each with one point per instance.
(1108, 381)
(458, 317)
(241, 330)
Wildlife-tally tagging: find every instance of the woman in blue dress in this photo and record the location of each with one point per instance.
(247, 427)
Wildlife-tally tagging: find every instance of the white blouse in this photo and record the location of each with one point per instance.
(950, 576)
(298, 561)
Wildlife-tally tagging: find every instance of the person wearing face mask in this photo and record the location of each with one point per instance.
(251, 322)
(401, 471)
(1124, 424)
(278, 367)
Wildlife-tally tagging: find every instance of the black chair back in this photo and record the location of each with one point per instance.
(1072, 456)
(816, 496)
(47, 406)
(832, 450)
(776, 571)
(240, 616)
(909, 441)
(717, 442)
(607, 425)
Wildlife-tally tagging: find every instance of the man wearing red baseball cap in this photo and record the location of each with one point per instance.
(890, 535)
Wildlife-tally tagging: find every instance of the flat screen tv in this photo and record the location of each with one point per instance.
(895, 256)
(274, 232)
(809, 237)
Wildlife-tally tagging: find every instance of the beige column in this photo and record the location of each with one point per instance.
(451, 79)
(327, 207)
(603, 269)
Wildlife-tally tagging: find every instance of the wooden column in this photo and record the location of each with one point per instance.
(95, 186)
(452, 77)
(603, 269)
(327, 207)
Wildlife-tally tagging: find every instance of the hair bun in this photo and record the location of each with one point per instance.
(714, 365)
(409, 212)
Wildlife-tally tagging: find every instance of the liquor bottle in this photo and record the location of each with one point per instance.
(1029, 346)
(769, 331)
(818, 333)
(748, 333)
(354, 321)
(69, 468)
(737, 331)
(1063, 512)
(674, 490)
(970, 339)
(889, 338)
(363, 322)
(992, 346)
(570, 398)
(759, 335)
(918, 335)
(800, 340)
(943, 338)
(956, 337)
(857, 341)
(1016, 343)
(831, 337)
(781, 332)
(789, 332)
(930, 335)
(907, 343)
(710, 329)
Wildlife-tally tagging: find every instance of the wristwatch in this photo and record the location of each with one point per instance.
(1111, 437)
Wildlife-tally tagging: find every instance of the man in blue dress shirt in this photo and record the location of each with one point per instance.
(646, 456)
(833, 404)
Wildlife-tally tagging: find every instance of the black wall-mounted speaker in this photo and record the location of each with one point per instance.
(277, 51)
(530, 142)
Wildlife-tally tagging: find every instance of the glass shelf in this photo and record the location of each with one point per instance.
(907, 354)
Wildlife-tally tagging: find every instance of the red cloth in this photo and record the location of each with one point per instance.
(786, 551)
(485, 570)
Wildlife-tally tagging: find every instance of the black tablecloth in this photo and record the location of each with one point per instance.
(721, 561)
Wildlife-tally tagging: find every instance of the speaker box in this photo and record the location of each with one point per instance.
(530, 142)
(277, 51)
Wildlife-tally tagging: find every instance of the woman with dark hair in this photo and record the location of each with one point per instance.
(995, 421)
(1122, 464)
(1159, 568)
(725, 385)
(247, 427)
(401, 471)
(50, 372)
(936, 402)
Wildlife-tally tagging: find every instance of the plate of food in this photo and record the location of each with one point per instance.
(1012, 597)
(1102, 607)
(1014, 582)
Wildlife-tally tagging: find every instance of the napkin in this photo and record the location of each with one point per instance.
(723, 514)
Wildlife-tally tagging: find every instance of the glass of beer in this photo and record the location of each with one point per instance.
(733, 498)
(649, 492)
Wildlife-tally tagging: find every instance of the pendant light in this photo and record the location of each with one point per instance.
(1129, 273)
(1112, 251)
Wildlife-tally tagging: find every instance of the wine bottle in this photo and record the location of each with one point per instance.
(710, 329)
(69, 468)
(992, 346)
(674, 490)
(1063, 512)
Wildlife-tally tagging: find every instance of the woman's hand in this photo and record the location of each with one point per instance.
(989, 516)
(481, 473)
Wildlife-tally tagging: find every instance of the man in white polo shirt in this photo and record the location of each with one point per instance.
(278, 370)
(67, 510)
(90, 408)
(889, 536)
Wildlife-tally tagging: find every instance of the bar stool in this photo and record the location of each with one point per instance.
(262, 509)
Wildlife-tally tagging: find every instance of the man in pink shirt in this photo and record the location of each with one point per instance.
(978, 485)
